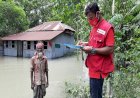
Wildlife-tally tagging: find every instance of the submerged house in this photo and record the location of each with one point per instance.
(1, 47)
(54, 34)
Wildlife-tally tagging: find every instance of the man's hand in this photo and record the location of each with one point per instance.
(46, 85)
(87, 49)
(32, 86)
(80, 43)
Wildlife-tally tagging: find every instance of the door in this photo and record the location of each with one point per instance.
(20, 48)
(1, 47)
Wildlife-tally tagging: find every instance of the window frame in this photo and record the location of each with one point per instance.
(28, 45)
(35, 42)
(13, 44)
(6, 44)
(45, 44)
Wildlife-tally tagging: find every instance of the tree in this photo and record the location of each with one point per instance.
(37, 11)
(126, 80)
(12, 18)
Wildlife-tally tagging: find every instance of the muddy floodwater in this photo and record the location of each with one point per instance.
(15, 76)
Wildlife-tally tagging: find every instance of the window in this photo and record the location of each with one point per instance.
(35, 42)
(6, 44)
(45, 44)
(13, 44)
(57, 45)
(28, 45)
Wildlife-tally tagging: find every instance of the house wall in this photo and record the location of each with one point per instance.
(30, 52)
(9, 51)
(61, 39)
(1, 48)
(50, 52)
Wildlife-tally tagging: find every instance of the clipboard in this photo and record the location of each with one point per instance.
(73, 46)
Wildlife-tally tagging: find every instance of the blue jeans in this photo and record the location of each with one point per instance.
(96, 86)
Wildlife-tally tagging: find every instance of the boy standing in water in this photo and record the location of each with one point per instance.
(39, 72)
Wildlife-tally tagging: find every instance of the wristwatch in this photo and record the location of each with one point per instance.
(93, 51)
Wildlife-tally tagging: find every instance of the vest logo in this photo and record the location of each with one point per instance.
(101, 31)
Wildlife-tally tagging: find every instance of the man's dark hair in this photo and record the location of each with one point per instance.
(93, 7)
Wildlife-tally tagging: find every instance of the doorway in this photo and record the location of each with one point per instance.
(20, 48)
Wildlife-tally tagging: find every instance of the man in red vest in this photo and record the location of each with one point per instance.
(99, 48)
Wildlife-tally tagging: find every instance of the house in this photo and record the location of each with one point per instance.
(1, 47)
(54, 34)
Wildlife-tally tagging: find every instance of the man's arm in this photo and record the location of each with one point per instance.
(109, 48)
(105, 50)
(47, 73)
(109, 41)
(31, 74)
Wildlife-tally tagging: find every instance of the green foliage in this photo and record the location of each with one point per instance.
(106, 10)
(126, 34)
(71, 12)
(12, 18)
(36, 10)
(125, 83)
(82, 90)
(74, 90)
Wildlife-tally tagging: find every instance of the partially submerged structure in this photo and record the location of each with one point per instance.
(1, 47)
(54, 34)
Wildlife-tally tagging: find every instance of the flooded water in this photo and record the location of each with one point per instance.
(15, 76)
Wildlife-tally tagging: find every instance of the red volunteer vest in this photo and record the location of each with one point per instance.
(96, 62)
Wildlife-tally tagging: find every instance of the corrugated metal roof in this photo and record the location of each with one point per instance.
(51, 26)
(38, 35)
(45, 31)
